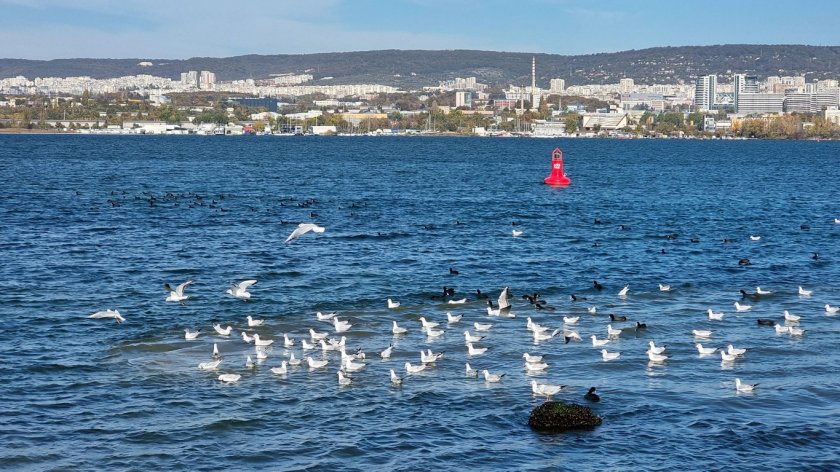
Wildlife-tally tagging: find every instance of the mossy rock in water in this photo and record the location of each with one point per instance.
(555, 417)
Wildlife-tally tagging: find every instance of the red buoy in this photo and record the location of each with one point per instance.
(558, 176)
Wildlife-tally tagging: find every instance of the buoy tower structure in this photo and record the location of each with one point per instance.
(558, 175)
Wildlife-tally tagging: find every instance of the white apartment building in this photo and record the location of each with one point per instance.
(704, 92)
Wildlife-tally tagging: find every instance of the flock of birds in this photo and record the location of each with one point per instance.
(354, 361)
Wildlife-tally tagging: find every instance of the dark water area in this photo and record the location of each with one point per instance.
(96, 222)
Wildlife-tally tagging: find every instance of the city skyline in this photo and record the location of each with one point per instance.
(48, 29)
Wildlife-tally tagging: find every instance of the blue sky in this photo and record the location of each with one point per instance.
(179, 29)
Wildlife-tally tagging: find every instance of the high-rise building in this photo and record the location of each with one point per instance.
(208, 79)
(557, 85)
(704, 92)
(463, 99)
(189, 78)
(743, 83)
(626, 85)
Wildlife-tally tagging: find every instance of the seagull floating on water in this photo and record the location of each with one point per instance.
(451, 319)
(216, 354)
(386, 354)
(316, 364)
(623, 292)
(755, 238)
(230, 378)
(791, 317)
(482, 326)
(316, 336)
(293, 361)
(115, 314)
(730, 349)
(535, 366)
(249, 363)
(190, 335)
(715, 316)
(177, 294)
(612, 332)
(307, 346)
(701, 333)
(392, 304)
(492, 378)
(781, 329)
(325, 316)
(805, 293)
(395, 379)
(396, 329)
(252, 323)
(656, 349)
(413, 369)
(246, 338)
(517, 233)
(705, 351)
(282, 370)
(592, 310)
(664, 287)
(831, 309)
(240, 290)
(794, 331)
(742, 308)
(457, 302)
(262, 342)
(727, 357)
(222, 331)
(287, 341)
(654, 357)
(742, 387)
(529, 358)
(209, 365)
(609, 356)
(759, 291)
(469, 371)
(343, 380)
(475, 351)
(304, 228)
(570, 319)
(341, 326)
(428, 324)
(472, 339)
(599, 342)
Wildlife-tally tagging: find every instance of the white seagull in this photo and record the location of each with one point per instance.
(324, 316)
(246, 338)
(115, 314)
(742, 308)
(307, 346)
(545, 389)
(261, 352)
(470, 338)
(341, 326)
(482, 326)
(222, 331)
(612, 332)
(396, 329)
(536, 366)
(216, 354)
(392, 304)
(790, 317)
(249, 363)
(831, 309)
(343, 380)
(492, 378)
(517, 233)
(230, 378)
(451, 319)
(386, 354)
(316, 336)
(735, 351)
(653, 357)
(761, 291)
(805, 293)
(781, 329)
(177, 294)
(240, 290)
(599, 342)
(429, 357)
(592, 310)
(664, 288)
(304, 228)
(434, 333)
(428, 324)
(623, 292)
(470, 372)
(262, 342)
(457, 302)
(315, 364)
(209, 365)
(395, 379)
(608, 356)
(413, 369)
(742, 387)
(252, 323)
(701, 333)
(282, 370)
(705, 351)
(716, 316)
(529, 358)
(287, 341)
(190, 335)
(755, 238)
(794, 331)
(293, 361)
(571, 319)
(475, 351)
(655, 349)
(727, 357)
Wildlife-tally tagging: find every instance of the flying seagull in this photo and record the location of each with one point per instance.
(304, 228)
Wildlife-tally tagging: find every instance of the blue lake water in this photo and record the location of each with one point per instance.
(95, 222)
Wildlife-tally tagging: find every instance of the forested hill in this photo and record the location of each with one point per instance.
(418, 67)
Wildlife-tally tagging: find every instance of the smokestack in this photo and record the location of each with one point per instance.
(533, 72)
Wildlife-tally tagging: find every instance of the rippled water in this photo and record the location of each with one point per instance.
(79, 235)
